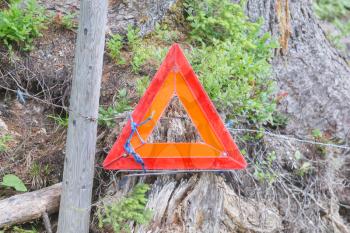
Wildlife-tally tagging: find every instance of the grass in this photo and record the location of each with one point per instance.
(61, 121)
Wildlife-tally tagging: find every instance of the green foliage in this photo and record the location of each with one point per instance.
(140, 56)
(4, 140)
(114, 46)
(132, 208)
(263, 171)
(317, 134)
(61, 121)
(12, 181)
(39, 174)
(335, 12)
(122, 104)
(68, 22)
(279, 120)
(141, 85)
(133, 37)
(232, 59)
(304, 169)
(21, 230)
(319, 137)
(331, 9)
(141, 53)
(21, 25)
(164, 34)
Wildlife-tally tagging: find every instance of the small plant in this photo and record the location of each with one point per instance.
(317, 134)
(132, 208)
(21, 230)
(122, 104)
(141, 85)
(163, 33)
(279, 120)
(12, 181)
(114, 46)
(140, 56)
(304, 169)
(263, 171)
(4, 140)
(39, 175)
(263, 175)
(320, 137)
(61, 121)
(21, 25)
(140, 53)
(68, 22)
(133, 37)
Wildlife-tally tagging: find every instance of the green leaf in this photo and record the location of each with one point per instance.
(13, 181)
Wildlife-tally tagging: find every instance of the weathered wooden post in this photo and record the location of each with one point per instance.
(78, 173)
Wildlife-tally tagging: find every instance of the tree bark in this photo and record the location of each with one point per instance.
(29, 206)
(313, 73)
(79, 162)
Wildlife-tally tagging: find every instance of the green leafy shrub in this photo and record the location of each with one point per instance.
(140, 56)
(68, 22)
(114, 46)
(232, 59)
(140, 52)
(132, 208)
(12, 181)
(122, 104)
(21, 25)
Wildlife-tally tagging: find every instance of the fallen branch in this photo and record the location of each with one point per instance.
(28, 206)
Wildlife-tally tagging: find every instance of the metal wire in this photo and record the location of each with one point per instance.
(286, 137)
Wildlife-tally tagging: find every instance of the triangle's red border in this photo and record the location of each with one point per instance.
(175, 59)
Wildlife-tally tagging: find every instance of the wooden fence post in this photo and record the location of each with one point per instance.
(74, 215)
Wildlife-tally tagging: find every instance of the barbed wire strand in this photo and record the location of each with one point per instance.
(286, 137)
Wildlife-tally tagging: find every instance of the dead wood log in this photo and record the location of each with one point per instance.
(28, 206)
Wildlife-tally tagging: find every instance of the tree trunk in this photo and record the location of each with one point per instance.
(307, 67)
(79, 164)
(29, 206)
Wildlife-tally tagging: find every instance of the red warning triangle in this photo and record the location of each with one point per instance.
(176, 77)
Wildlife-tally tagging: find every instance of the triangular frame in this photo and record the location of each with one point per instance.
(218, 152)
